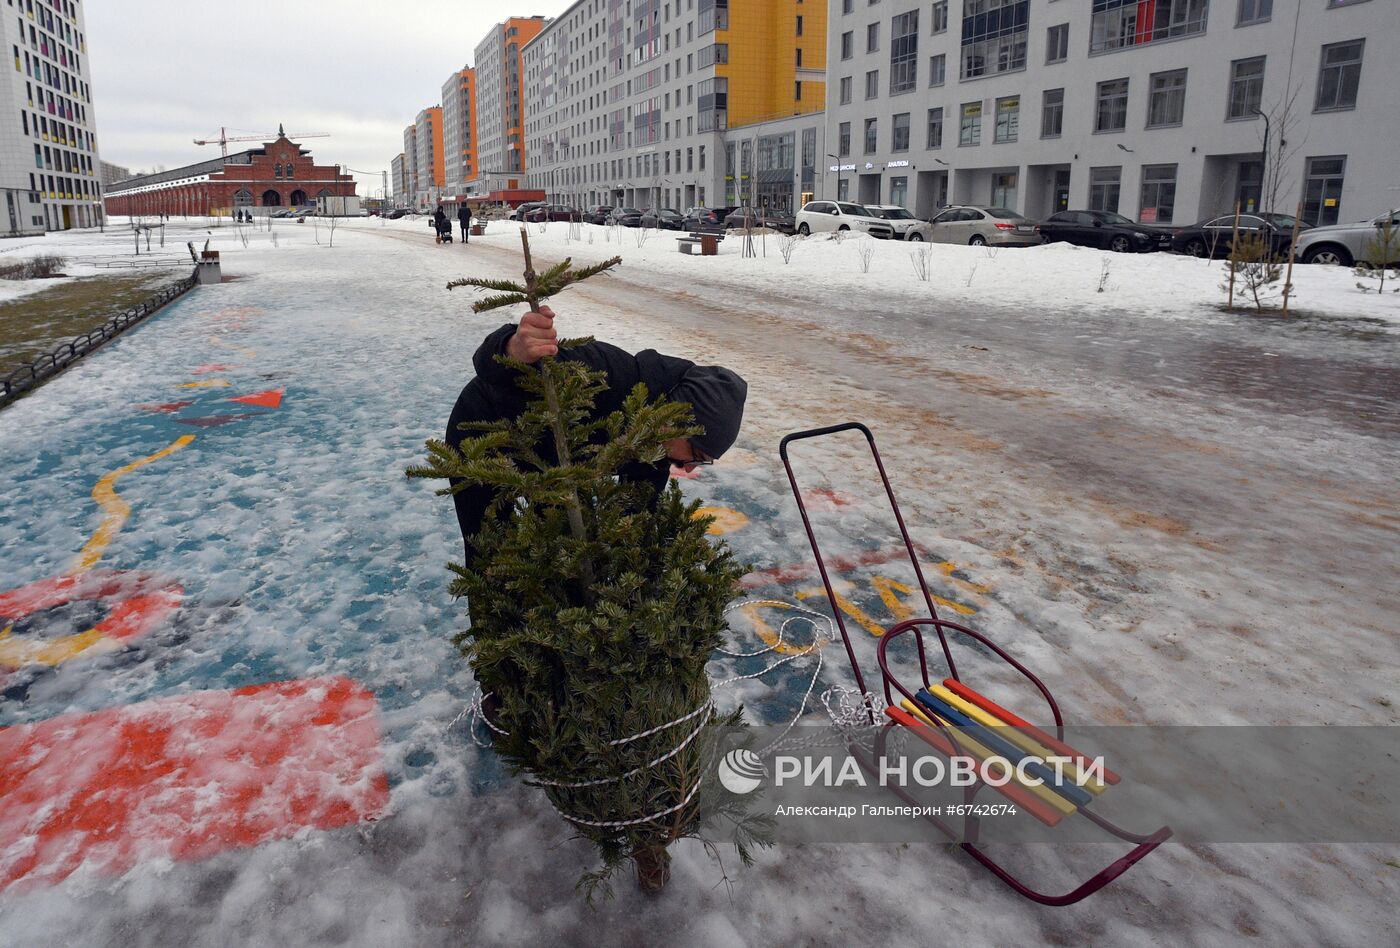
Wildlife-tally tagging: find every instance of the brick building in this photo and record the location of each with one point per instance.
(279, 174)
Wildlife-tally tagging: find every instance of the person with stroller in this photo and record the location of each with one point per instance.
(442, 226)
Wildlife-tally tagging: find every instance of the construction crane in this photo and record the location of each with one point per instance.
(224, 138)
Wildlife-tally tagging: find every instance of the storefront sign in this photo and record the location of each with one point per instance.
(902, 163)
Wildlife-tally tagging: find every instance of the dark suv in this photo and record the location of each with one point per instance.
(706, 219)
(597, 214)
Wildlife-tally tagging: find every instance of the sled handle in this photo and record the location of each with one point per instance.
(821, 563)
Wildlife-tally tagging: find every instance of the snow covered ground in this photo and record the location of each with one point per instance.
(1172, 513)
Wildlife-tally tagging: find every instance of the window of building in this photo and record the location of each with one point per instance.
(1057, 43)
(1004, 190)
(847, 6)
(940, 16)
(993, 36)
(904, 52)
(1116, 24)
(1254, 11)
(843, 139)
(872, 84)
(1339, 76)
(845, 90)
(1111, 112)
(1166, 100)
(1246, 87)
(871, 133)
(1103, 188)
(935, 128)
(1158, 194)
(970, 128)
(899, 190)
(900, 142)
(1322, 189)
(847, 41)
(1008, 119)
(799, 26)
(872, 37)
(937, 68)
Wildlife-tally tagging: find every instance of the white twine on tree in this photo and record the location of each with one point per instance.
(854, 711)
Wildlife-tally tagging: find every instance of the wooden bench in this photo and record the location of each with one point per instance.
(687, 245)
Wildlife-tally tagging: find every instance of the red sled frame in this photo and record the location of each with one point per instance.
(967, 839)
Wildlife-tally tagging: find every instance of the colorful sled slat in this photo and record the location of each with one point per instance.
(972, 747)
(1005, 748)
(1022, 741)
(1053, 743)
(1017, 794)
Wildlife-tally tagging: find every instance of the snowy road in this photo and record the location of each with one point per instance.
(1176, 515)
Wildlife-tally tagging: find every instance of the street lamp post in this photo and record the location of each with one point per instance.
(1263, 159)
(838, 175)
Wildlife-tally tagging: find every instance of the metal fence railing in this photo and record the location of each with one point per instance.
(27, 376)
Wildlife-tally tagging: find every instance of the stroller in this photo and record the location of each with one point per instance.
(443, 228)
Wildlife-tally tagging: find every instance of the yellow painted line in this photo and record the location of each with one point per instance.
(17, 653)
(727, 520)
(115, 510)
(769, 635)
(207, 383)
(1008, 733)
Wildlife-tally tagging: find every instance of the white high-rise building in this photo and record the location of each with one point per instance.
(49, 166)
(1166, 111)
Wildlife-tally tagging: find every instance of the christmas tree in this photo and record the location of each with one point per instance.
(595, 606)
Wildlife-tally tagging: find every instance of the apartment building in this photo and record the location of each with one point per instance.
(427, 152)
(638, 102)
(49, 166)
(410, 165)
(500, 105)
(400, 183)
(1162, 110)
(459, 132)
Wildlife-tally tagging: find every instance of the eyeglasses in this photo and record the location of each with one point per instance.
(696, 460)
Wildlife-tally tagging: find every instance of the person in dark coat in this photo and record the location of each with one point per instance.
(440, 223)
(464, 217)
(716, 396)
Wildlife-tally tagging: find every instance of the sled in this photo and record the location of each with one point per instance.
(951, 716)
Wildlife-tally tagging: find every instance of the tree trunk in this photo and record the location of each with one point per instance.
(653, 867)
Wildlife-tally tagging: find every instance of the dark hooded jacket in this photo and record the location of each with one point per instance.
(494, 396)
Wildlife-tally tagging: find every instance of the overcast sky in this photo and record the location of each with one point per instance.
(165, 72)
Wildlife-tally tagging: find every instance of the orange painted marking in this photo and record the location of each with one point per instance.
(824, 499)
(272, 398)
(186, 777)
(142, 602)
(783, 575)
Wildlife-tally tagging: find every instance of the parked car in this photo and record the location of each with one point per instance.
(395, 214)
(705, 220)
(834, 216)
(906, 226)
(597, 214)
(665, 219)
(518, 213)
(1212, 238)
(1104, 229)
(778, 219)
(1347, 244)
(983, 226)
(551, 212)
(625, 216)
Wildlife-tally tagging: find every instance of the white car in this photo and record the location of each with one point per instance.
(831, 216)
(906, 226)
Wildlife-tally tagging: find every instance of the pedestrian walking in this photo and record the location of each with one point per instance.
(464, 217)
